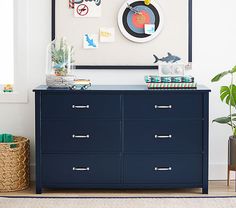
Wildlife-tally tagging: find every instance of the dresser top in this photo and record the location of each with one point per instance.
(200, 88)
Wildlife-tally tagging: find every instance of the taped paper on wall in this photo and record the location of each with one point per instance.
(107, 35)
(149, 29)
(90, 41)
(91, 8)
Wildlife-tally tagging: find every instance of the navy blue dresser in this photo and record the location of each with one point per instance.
(121, 137)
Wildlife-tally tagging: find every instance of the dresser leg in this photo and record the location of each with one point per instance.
(38, 190)
(205, 190)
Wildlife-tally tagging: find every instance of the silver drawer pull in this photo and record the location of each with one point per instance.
(80, 106)
(81, 169)
(163, 136)
(80, 136)
(163, 168)
(163, 106)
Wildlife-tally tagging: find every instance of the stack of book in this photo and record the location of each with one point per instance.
(177, 82)
(81, 84)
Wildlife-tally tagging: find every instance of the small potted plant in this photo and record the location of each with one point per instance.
(60, 59)
(228, 96)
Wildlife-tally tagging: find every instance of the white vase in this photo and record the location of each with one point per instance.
(54, 81)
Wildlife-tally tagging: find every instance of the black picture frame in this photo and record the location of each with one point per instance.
(128, 67)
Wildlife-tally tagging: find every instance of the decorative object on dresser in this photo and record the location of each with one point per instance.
(59, 59)
(81, 84)
(121, 137)
(170, 82)
(228, 95)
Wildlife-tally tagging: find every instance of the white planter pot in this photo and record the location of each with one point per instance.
(54, 81)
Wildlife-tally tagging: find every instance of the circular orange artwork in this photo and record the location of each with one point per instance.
(139, 20)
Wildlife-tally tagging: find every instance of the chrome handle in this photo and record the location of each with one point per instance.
(163, 106)
(163, 168)
(81, 169)
(80, 136)
(163, 137)
(80, 106)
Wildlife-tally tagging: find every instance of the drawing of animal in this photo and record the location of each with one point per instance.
(168, 59)
(82, 10)
(90, 41)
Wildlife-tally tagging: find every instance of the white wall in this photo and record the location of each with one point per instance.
(214, 51)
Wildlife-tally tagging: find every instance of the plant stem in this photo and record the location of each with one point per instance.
(230, 104)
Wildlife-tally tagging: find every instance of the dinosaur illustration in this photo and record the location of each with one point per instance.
(168, 59)
(90, 41)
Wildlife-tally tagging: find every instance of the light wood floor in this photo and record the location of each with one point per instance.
(216, 188)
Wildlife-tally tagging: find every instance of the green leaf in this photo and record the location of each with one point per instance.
(222, 120)
(224, 91)
(228, 95)
(233, 95)
(233, 70)
(219, 76)
(227, 100)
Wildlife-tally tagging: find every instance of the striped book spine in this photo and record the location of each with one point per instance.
(168, 79)
(172, 85)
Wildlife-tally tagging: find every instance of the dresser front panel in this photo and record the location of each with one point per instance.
(179, 136)
(81, 169)
(80, 106)
(81, 135)
(163, 168)
(163, 106)
(121, 137)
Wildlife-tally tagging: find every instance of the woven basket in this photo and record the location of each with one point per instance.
(14, 165)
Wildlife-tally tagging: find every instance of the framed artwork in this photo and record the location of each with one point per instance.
(164, 26)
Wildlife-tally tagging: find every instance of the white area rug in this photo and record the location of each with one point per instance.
(224, 202)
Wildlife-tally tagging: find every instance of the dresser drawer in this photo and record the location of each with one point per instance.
(80, 106)
(163, 136)
(163, 169)
(162, 106)
(80, 169)
(74, 136)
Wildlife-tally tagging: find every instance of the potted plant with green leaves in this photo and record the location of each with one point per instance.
(228, 96)
(60, 59)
